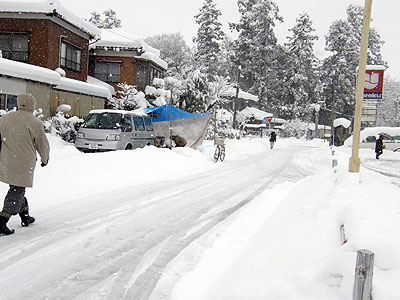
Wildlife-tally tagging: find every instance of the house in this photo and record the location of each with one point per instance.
(257, 121)
(240, 99)
(46, 36)
(121, 57)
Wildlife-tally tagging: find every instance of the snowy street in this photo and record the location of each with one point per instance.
(159, 224)
(117, 243)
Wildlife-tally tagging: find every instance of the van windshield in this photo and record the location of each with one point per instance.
(103, 121)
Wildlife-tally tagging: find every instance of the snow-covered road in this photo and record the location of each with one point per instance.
(116, 243)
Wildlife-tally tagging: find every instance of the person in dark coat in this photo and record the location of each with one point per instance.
(272, 139)
(21, 135)
(179, 141)
(379, 146)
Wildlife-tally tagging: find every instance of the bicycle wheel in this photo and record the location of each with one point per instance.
(222, 154)
(217, 153)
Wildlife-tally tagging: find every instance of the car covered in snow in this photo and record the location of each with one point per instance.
(105, 129)
(391, 137)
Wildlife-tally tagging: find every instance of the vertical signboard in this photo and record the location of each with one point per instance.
(373, 86)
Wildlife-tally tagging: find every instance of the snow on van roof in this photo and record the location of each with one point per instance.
(118, 111)
(48, 7)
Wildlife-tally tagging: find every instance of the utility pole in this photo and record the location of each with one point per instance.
(236, 99)
(354, 162)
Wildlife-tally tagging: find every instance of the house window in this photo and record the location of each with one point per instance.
(70, 57)
(141, 76)
(107, 71)
(8, 102)
(14, 46)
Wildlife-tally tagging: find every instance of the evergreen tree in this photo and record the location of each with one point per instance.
(109, 21)
(389, 106)
(301, 76)
(173, 50)
(208, 39)
(344, 41)
(256, 47)
(195, 92)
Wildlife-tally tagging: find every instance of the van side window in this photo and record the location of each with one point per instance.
(371, 139)
(127, 123)
(149, 124)
(139, 124)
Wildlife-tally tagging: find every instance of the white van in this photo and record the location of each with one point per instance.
(106, 129)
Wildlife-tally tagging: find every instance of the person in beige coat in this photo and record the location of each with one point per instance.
(21, 136)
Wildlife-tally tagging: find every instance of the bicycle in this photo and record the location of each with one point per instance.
(219, 153)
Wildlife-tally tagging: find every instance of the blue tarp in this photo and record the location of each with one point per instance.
(163, 113)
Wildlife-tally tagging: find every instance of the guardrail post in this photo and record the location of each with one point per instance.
(363, 275)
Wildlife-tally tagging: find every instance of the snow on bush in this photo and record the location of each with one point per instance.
(64, 126)
(295, 128)
(128, 98)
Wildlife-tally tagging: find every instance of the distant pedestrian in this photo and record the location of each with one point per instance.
(379, 146)
(21, 136)
(272, 139)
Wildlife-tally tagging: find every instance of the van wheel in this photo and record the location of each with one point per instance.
(128, 147)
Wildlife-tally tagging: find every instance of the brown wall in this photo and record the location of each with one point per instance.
(44, 43)
(128, 68)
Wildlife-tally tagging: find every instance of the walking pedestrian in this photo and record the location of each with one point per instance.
(272, 139)
(21, 136)
(379, 146)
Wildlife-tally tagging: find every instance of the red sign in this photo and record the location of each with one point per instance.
(373, 85)
(269, 119)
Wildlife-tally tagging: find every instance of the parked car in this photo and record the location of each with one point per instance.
(391, 137)
(106, 129)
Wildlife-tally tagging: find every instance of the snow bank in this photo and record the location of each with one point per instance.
(287, 243)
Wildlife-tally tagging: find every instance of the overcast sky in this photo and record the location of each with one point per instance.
(150, 17)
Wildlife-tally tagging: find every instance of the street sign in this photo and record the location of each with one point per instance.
(269, 119)
(373, 85)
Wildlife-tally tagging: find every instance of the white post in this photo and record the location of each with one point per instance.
(354, 162)
(363, 275)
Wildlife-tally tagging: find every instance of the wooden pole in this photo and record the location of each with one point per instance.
(363, 275)
(354, 163)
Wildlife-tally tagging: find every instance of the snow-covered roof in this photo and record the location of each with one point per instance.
(311, 126)
(98, 82)
(154, 58)
(120, 39)
(257, 113)
(242, 94)
(77, 86)
(26, 71)
(49, 7)
(341, 122)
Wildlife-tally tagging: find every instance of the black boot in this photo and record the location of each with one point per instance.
(26, 219)
(3, 227)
